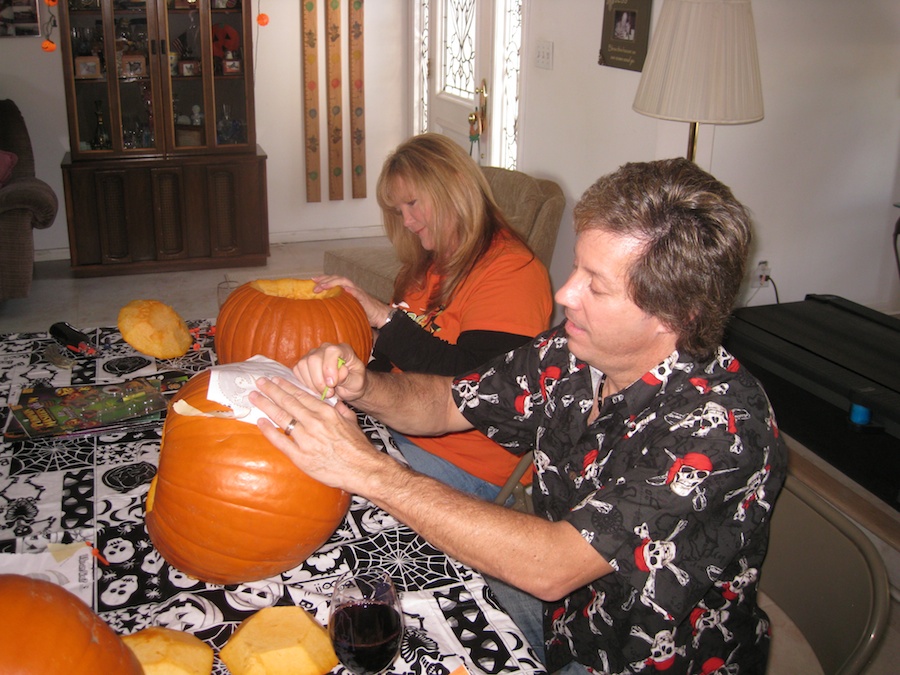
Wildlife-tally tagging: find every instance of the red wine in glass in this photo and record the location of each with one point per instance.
(366, 624)
(366, 636)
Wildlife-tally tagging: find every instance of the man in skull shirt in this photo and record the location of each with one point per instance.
(657, 455)
(671, 482)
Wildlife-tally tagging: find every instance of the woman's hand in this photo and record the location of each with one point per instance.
(333, 369)
(376, 311)
(325, 442)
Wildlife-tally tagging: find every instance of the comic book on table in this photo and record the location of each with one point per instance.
(79, 410)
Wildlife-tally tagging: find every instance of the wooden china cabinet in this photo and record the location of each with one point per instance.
(164, 172)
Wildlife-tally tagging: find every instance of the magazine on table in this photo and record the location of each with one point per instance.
(90, 409)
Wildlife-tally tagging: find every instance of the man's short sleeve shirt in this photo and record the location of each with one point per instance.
(673, 484)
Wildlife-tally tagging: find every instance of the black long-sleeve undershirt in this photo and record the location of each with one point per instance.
(406, 345)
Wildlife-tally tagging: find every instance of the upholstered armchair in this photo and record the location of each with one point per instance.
(534, 207)
(26, 203)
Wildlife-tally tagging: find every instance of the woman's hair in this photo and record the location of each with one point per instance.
(696, 239)
(465, 216)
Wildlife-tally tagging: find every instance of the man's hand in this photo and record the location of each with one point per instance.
(333, 369)
(325, 442)
(411, 403)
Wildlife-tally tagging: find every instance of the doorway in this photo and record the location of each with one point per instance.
(466, 75)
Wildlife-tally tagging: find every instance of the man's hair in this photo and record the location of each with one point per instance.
(696, 239)
(466, 216)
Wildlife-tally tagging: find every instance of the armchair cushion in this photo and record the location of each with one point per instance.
(32, 196)
(26, 202)
(8, 162)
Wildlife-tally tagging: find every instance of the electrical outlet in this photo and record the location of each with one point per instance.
(544, 57)
(761, 275)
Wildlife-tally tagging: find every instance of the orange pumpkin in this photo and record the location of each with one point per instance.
(228, 507)
(45, 629)
(283, 319)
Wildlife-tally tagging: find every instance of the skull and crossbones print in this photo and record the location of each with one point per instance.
(686, 476)
(654, 555)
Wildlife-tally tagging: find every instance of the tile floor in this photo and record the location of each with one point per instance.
(85, 303)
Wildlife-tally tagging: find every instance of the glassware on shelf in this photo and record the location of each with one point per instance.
(139, 36)
(101, 140)
(228, 129)
(129, 138)
(82, 40)
(149, 128)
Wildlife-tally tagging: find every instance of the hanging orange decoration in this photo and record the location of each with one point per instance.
(48, 45)
(263, 19)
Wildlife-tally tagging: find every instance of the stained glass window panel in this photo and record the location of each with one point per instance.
(458, 67)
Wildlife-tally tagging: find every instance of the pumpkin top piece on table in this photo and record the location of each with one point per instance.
(162, 650)
(279, 641)
(155, 329)
(283, 319)
(46, 630)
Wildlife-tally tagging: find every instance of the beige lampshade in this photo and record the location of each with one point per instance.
(702, 64)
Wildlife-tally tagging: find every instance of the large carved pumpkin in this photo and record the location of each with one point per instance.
(228, 507)
(45, 630)
(283, 319)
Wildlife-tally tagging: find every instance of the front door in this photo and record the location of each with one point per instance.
(469, 48)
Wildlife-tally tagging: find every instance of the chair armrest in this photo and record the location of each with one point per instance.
(30, 194)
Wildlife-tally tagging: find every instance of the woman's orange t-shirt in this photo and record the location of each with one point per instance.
(507, 291)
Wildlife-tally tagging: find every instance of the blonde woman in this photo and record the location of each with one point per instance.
(468, 290)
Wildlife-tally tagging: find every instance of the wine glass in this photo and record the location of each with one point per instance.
(366, 622)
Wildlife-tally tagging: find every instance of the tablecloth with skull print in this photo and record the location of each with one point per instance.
(72, 511)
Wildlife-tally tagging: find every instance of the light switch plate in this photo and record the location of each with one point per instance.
(544, 57)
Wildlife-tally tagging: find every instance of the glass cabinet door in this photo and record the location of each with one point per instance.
(187, 94)
(208, 55)
(231, 59)
(132, 55)
(112, 76)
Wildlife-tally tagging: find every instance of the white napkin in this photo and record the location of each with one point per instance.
(232, 383)
(68, 565)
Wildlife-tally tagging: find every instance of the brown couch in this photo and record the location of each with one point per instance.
(534, 207)
(26, 203)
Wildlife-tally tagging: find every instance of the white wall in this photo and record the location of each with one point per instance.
(821, 172)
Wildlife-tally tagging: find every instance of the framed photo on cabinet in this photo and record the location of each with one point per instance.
(189, 68)
(134, 65)
(87, 68)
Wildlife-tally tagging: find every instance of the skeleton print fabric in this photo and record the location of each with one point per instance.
(89, 492)
(673, 484)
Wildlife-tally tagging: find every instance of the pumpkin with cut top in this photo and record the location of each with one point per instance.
(228, 507)
(284, 318)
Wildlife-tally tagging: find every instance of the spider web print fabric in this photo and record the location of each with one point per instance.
(61, 494)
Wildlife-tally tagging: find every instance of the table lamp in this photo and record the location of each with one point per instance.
(702, 66)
